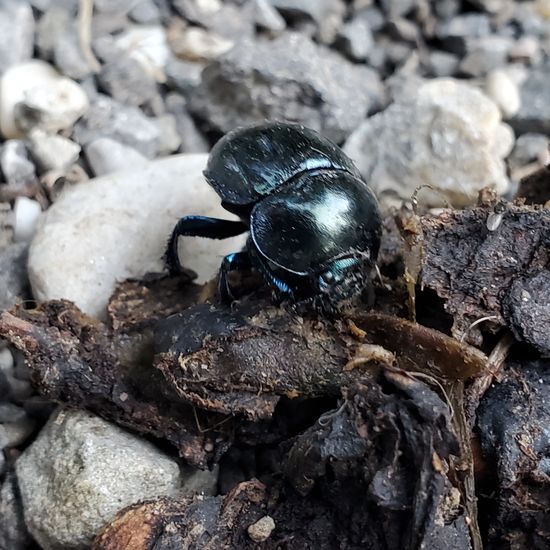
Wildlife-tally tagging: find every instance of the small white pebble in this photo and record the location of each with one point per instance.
(493, 221)
(6, 360)
(504, 92)
(26, 212)
(262, 529)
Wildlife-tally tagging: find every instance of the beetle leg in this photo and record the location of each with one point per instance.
(281, 288)
(199, 226)
(237, 260)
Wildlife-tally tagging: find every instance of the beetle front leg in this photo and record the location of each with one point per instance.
(198, 226)
(231, 262)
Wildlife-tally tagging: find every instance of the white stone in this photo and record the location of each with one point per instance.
(262, 529)
(53, 152)
(196, 44)
(26, 213)
(106, 155)
(115, 227)
(146, 44)
(504, 92)
(450, 136)
(80, 471)
(48, 100)
(6, 361)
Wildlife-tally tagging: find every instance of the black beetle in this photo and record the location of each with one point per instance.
(314, 223)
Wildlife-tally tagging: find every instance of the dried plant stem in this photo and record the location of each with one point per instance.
(85, 12)
(481, 384)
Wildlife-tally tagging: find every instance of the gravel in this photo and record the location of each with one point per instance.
(172, 77)
(313, 87)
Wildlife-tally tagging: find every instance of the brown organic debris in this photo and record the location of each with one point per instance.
(244, 360)
(502, 274)
(370, 474)
(208, 523)
(74, 359)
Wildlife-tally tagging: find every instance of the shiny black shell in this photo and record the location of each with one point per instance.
(250, 163)
(324, 215)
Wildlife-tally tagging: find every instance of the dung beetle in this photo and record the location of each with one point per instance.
(314, 223)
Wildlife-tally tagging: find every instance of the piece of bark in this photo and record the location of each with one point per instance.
(206, 523)
(243, 360)
(482, 273)
(513, 428)
(74, 359)
(527, 310)
(136, 304)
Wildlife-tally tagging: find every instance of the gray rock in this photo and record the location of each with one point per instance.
(169, 140)
(14, 434)
(44, 5)
(9, 412)
(145, 12)
(355, 39)
(403, 30)
(6, 225)
(526, 49)
(529, 148)
(16, 32)
(397, 53)
(128, 125)
(104, 23)
(146, 44)
(530, 22)
(55, 21)
(68, 56)
(20, 390)
(446, 9)
(398, 8)
(52, 151)
(493, 6)
(449, 136)
(534, 113)
(455, 32)
(13, 531)
(267, 17)
(80, 471)
(442, 63)
(192, 141)
(184, 76)
(223, 18)
(16, 165)
(289, 78)
(485, 54)
(13, 278)
(6, 356)
(4, 387)
(114, 6)
(316, 10)
(83, 230)
(106, 155)
(126, 80)
(374, 17)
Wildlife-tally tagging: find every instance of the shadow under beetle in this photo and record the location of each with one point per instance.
(314, 223)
